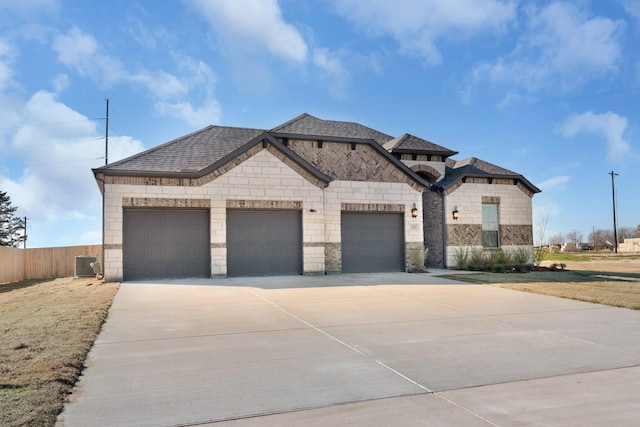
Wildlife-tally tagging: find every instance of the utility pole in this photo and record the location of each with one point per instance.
(613, 195)
(106, 139)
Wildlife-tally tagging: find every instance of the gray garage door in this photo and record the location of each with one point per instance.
(372, 242)
(264, 243)
(166, 243)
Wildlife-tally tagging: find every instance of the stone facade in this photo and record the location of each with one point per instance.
(515, 215)
(262, 181)
(352, 168)
(433, 232)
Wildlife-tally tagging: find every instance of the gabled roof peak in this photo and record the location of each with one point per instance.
(408, 143)
(475, 167)
(307, 125)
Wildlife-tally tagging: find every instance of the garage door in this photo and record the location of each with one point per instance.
(166, 243)
(264, 243)
(372, 242)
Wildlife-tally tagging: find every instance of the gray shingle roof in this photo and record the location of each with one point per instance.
(308, 125)
(474, 167)
(411, 143)
(189, 153)
(201, 150)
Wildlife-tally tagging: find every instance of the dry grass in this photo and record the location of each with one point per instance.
(47, 330)
(598, 278)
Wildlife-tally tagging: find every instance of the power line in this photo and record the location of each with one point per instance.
(50, 163)
(51, 124)
(19, 147)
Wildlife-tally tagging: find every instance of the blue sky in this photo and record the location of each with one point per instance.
(547, 89)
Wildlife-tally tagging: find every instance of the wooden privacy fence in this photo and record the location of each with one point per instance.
(41, 263)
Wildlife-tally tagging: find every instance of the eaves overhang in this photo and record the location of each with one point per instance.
(461, 178)
(263, 138)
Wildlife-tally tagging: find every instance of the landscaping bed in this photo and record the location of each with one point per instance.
(602, 278)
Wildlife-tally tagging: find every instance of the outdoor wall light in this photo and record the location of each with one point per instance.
(455, 213)
(414, 211)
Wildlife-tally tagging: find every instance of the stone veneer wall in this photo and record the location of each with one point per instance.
(515, 216)
(432, 206)
(260, 181)
(360, 196)
(345, 161)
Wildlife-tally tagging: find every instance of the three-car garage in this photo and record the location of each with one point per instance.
(175, 243)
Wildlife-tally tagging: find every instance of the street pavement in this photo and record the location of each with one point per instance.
(356, 349)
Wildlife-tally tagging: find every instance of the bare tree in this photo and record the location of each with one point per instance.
(575, 237)
(558, 239)
(540, 251)
(601, 239)
(625, 233)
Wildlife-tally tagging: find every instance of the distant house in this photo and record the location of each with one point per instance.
(309, 196)
(630, 245)
(569, 247)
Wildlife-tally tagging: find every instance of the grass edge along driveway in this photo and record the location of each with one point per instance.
(47, 329)
(617, 289)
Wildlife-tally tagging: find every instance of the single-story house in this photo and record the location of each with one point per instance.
(309, 196)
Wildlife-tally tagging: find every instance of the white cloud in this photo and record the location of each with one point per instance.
(562, 47)
(332, 67)
(609, 126)
(209, 112)
(29, 7)
(250, 25)
(632, 7)
(56, 182)
(60, 82)
(81, 52)
(162, 85)
(417, 25)
(555, 183)
(7, 56)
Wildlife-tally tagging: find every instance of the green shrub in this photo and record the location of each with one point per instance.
(461, 255)
(500, 268)
(478, 260)
(539, 254)
(418, 257)
(520, 256)
(499, 256)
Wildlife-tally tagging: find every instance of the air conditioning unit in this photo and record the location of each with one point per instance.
(83, 266)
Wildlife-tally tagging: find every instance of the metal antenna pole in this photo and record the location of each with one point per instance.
(106, 138)
(615, 228)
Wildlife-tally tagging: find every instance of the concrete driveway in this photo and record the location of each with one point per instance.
(366, 350)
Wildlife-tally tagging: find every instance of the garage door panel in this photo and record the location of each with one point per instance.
(166, 243)
(372, 242)
(264, 243)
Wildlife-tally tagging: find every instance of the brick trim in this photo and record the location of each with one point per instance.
(200, 181)
(158, 202)
(490, 200)
(264, 204)
(313, 244)
(372, 207)
(296, 167)
(464, 235)
(516, 235)
(495, 181)
(112, 246)
(218, 246)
